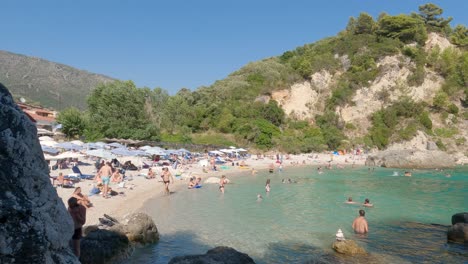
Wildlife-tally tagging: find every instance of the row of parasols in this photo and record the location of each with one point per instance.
(76, 149)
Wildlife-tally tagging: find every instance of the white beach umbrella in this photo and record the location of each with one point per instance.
(77, 142)
(49, 143)
(45, 138)
(69, 154)
(101, 153)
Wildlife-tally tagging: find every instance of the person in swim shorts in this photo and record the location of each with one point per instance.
(167, 179)
(105, 172)
(222, 182)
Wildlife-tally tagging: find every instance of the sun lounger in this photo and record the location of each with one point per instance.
(77, 174)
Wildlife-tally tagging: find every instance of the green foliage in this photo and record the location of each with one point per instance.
(440, 100)
(453, 109)
(364, 24)
(386, 121)
(425, 120)
(405, 28)
(73, 122)
(446, 132)
(418, 56)
(216, 139)
(430, 14)
(331, 129)
(441, 145)
(117, 110)
(459, 36)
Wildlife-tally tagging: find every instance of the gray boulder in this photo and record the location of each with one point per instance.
(431, 145)
(458, 233)
(411, 159)
(35, 226)
(218, 255)
(105, 246)
(139, 228)
(348, 247)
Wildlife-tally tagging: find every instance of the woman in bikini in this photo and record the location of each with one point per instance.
(222, 182)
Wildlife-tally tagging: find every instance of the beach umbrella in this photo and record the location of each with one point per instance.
(241, 150)
(122, 152)
(45, 138)
(100, 153)
(182, 150)
(50, 157)
(48, 149)
(155, 151)
(77, 142)
(145, 147)
(68, 146)
(115, 145)
(69, 154)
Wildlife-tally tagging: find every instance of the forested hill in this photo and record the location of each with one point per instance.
(48, 83)
(379, 82)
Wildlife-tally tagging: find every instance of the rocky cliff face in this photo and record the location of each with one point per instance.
(35, 227)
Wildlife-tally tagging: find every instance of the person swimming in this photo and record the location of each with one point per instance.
(408, 174)
(350, 201)
(367, 203)
(259, 197)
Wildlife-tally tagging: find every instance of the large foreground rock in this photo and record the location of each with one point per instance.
(411, 159)
(218, 255)
(458, 232)
(348, 247)
(35, 226)
(139, 228)
(104, 246)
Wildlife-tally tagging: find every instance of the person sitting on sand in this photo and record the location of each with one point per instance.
(243, 164)
(151, 174)
(64, 182)
(350, 201)
(82, 199)
(116, 177)
(198, 181)
(367, 203)
(191, 184)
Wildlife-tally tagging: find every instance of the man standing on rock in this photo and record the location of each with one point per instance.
(78, 214)
(360, 223)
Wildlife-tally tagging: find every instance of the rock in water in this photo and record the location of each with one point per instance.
(458, 233)
(460, 218)
(105, 246)
(218, 255)
(348, 247)
(35, 225)
(139, 228)
(411, 159)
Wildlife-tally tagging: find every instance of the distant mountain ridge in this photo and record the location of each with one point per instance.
(51, 84)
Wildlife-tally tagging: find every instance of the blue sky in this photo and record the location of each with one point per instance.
(181, 44)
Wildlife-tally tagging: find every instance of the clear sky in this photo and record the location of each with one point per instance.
(177, 44)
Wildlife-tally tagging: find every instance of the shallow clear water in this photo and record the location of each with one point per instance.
(295, 222)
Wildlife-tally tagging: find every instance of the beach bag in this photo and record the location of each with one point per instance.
(122, 185)
(94, 191)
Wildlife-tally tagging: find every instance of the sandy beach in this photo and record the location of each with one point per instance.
(139, 190)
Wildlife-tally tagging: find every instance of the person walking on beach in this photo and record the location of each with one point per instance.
(267, 186)
(222, 182)
(105, 172)
(167, 179)
(78, 214)
(360, 223)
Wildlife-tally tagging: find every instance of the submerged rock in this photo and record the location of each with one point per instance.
(348, 247)
(458, 232)
(35, 226)
(411, 159)
(105, 246)
(218, 255)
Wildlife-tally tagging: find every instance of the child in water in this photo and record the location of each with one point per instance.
(267, 186)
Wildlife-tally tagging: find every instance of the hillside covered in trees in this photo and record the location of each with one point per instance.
(378, 82)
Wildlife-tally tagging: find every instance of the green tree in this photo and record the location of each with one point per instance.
(430, 13)
(365, 24)
(405, 28)
(460, 36)
(117, 110)
(72, 121)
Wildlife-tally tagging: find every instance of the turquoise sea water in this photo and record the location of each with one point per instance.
(297, 222)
